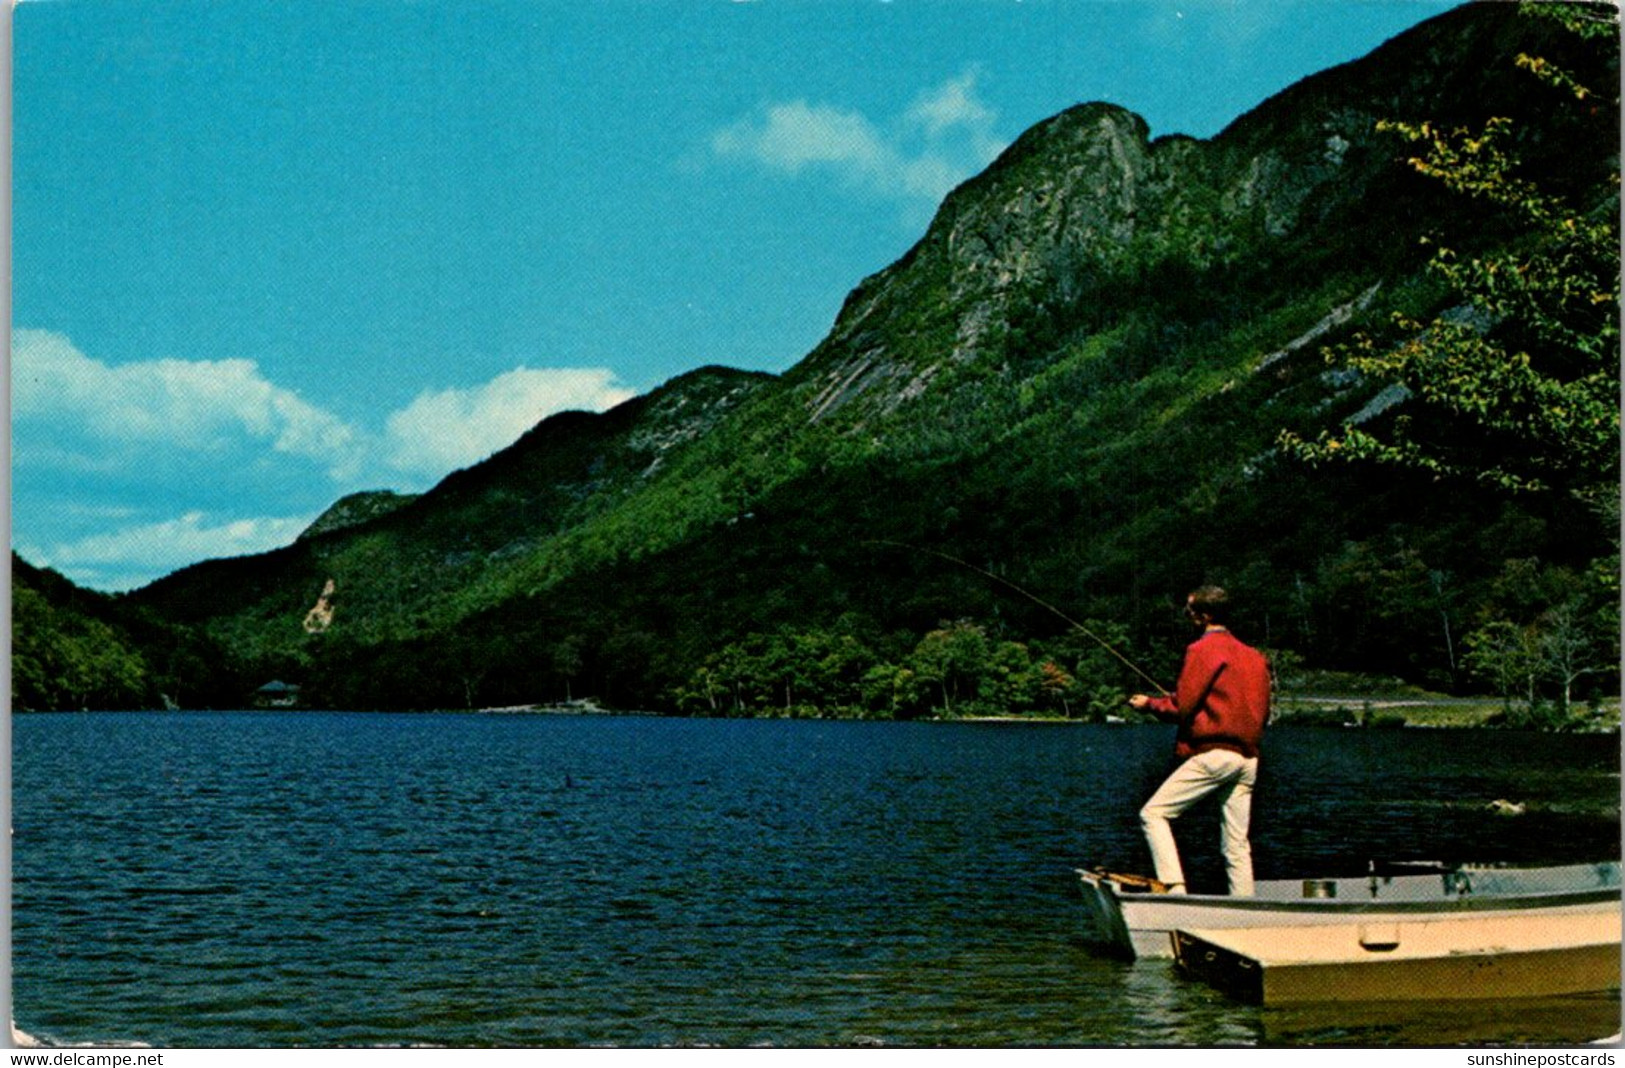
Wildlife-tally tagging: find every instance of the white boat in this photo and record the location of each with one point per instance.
(1500, 956)
(1130, 918)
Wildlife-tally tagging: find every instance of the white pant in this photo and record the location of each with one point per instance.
(1231, 776)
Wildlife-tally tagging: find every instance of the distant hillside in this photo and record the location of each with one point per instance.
(417, 555)
(73, 648)
(1075, 379)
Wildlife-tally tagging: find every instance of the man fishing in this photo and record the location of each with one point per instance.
(1221, 703)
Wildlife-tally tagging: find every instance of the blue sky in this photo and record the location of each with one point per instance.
(266, 254)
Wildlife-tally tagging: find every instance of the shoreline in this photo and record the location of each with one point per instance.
(1351, 713)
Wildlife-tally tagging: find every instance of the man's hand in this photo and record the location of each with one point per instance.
(1139, 701)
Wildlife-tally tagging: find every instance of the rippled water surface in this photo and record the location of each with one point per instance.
(357, 879)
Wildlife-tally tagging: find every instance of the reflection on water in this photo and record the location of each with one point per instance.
(344, 879)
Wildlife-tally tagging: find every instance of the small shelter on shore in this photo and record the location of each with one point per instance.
(277, 694)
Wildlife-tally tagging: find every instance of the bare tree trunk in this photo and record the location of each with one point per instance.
(1437, 578)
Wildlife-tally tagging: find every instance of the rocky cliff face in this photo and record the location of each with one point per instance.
(356, 509)
(1065, 198)
(578, 455)
(1086, 204)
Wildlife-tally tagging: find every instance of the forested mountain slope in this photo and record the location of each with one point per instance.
(1077, 378)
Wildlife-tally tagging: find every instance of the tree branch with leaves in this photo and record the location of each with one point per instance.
(1518, 385)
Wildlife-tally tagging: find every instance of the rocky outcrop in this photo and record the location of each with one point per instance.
(686, 408)
(1086, 213)
(356, 509)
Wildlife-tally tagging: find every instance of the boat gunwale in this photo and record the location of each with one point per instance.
(1348, 906)
(1568, 931)
(1108, 885)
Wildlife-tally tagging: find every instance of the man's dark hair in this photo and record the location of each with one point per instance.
(1211, 601)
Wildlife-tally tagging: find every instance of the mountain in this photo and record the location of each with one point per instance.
(1076, 378)
(411, 555)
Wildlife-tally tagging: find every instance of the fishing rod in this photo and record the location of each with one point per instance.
(1085, 631)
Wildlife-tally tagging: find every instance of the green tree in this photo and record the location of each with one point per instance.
(727, 683)
(703, 693)
(787, 672)
(1519, 387)
(1508, 657)
(953, 659)
(566, 661)
(1099, 679)
(894, 692)
(1011, 682)
(63, 659)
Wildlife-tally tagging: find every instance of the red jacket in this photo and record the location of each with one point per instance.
(1222, 700)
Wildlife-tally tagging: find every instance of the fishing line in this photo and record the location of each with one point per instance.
(1085, 631)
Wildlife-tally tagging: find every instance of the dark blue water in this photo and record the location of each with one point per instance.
(328, 879)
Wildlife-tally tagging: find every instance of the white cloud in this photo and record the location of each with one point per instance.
(945, 136)
(953, 104)
(451, 428)
(104, 455)
(177, 404)
(83, 416)
(790, 137)
(130, 556)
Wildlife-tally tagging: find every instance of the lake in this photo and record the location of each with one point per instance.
(350, 879)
